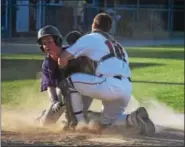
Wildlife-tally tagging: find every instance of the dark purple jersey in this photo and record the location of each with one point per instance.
(50, 73)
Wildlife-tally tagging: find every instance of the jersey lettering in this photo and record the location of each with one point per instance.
(116, 49)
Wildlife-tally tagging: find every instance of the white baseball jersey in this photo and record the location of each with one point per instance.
(114, 93)
(95, 46)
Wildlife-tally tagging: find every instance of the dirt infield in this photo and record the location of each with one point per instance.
(19, 130)
(164, 138)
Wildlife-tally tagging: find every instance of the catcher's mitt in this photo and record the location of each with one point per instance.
(80, 65)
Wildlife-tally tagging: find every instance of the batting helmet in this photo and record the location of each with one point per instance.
(72, 37)
(49, 30)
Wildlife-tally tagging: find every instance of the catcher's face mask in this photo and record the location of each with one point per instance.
(50, 47)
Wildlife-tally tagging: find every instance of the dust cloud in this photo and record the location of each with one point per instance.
(22, 120)
(28, 104)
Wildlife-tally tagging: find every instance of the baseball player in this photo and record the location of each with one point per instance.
(50, 41)
(110, 82)
(51, 75)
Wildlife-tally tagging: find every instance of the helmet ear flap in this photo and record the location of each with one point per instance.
(58, 41)
(42, 49)
(40, 44)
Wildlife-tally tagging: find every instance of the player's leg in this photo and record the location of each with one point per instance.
(113, 116)
(106, 89)
(111, 111)
(110, 90)
(138, 119)
(74, 105)
(86, 104)
(87, 101)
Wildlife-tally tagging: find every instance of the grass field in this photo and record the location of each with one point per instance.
(157, 72)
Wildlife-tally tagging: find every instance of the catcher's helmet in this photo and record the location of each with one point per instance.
(72, 37)
(49, 30)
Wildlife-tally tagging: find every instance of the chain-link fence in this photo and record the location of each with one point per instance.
(149, 24)
(24, 18)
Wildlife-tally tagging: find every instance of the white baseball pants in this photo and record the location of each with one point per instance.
(114, 94)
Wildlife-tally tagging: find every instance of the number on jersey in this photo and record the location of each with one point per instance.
(116, 49)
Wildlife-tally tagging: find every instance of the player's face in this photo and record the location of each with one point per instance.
(50, 46)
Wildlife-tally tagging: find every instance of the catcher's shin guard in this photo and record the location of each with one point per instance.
(140, 119)
(67, 89)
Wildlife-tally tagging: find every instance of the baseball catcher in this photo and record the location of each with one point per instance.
(110, 82)
(50, 41)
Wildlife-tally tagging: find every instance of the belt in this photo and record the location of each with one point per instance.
(119, 77)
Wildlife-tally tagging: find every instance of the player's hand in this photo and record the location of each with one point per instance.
(62, 62)
(57, 106)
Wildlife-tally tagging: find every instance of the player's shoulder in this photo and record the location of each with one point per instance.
(89, 37)
(85, 36)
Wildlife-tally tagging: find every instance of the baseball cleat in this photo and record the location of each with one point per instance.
(82, 126)
(94, 126)
(147, 127)
(66, 126)
(140, 119)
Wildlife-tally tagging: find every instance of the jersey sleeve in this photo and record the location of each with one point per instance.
(49, 78)
(81, 47)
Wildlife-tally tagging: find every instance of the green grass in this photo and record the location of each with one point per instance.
(163, 78)
(157, 72)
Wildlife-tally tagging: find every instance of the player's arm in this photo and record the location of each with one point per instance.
(48, 82)
(78, 49)
(52, 94)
